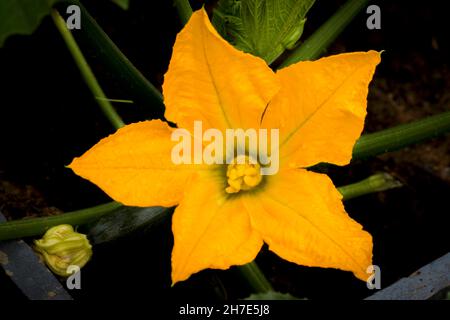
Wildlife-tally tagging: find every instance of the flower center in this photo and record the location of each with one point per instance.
(242, 174)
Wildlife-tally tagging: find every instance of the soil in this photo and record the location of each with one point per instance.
(48, 117)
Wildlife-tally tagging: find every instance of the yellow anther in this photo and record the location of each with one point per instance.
(251, 171)
(232, 174)
(242, 176)
(240, 168)
(236, 183)
(252, 181)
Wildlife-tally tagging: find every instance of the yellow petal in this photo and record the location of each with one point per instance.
(321, 107)
(210, 230)
(134, 166)
(209, 80)
(301, 217)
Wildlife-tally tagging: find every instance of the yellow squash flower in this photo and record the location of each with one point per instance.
(226, 212)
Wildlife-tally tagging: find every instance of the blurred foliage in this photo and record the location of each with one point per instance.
(271, 295)
(124, 4)
(24, 16)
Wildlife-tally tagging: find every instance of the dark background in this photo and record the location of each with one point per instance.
(48, 116)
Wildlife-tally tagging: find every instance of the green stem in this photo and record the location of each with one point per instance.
(376, 183)
(314, 46)
(86, 71)
(129, 78)
(401, 136)
(37, 226)
(255, 277)
(184, 10)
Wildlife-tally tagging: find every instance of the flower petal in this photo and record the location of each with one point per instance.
(211, 230)
(134, 166)
(301, 217)
(209, 80)
(321, 107)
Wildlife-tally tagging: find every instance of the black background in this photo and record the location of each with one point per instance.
(48, 116)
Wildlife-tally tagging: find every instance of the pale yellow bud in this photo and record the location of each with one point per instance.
(62, 247)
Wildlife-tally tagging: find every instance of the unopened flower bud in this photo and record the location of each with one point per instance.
(62, 247)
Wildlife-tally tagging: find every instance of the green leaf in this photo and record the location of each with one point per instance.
(264, 28)
(24, 16)
(21, 16)
(184, 10)
(124, 4)
(271, 295)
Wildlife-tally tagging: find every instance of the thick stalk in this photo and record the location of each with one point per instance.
(376, 183)
(37, 226)
(401, 136)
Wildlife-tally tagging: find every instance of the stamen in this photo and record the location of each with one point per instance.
(242, 176)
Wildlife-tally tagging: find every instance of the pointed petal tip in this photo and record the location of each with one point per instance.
(72, 164)
(126, 164)
(376, 54)
(200, 47)
(176, 278)
(362, 275)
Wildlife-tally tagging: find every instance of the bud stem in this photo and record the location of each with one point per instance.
(377, 182)
(38, 226)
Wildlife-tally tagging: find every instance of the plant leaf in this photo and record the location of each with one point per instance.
(124, 4)
(271, 295)
(24, 16)
(21, 16)
(264, 28)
